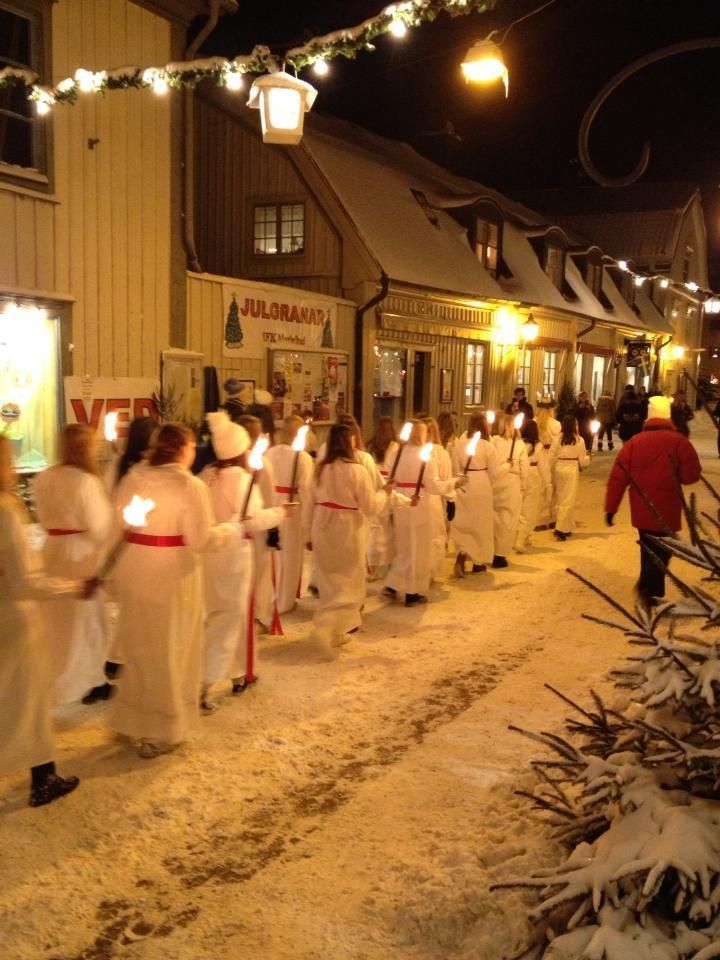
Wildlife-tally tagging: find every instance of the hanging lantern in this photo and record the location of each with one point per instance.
(530, 329)
(282, 101)
(484, 63)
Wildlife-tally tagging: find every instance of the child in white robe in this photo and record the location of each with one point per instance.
(472, 526)
(568, 457)
(538, 482)
(508, 488)
(383, 448)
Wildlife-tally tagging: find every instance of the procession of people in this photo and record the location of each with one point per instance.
(155, 581)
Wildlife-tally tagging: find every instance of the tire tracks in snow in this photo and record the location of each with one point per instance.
(275, 829)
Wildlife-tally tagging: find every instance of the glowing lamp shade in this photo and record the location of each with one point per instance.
(283, 101)
(678, 351)
(484, 63)
(529, 330)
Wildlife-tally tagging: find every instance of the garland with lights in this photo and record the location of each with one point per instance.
(395, 19)
(689, 289)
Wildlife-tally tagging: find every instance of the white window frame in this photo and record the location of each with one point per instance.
(550, 358)
(285, 217)
(475, 361)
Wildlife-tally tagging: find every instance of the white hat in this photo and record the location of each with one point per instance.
(659, 408)
(229, 439)
(263, 397)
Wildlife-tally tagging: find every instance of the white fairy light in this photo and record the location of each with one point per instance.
(622, 265)
(692, 286)
(233, 80)
(398, 28)
(157, 80)
(664, 283)
(639, 281)
(321, 67)
(43, 107)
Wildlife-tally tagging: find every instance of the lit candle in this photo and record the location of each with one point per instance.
(517, 424)
(298, 446)
(471, 450)
(110, 427)
(255, 462)
(490, 417)
(425, 454)
(594, 426)
(404, 437)
(135, 516)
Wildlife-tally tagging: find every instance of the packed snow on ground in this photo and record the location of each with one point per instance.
(355, 808)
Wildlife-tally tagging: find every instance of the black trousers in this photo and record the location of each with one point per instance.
(652, 570)
(606, 430)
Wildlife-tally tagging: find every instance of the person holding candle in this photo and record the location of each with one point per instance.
(158, 583)
(538, 482)
(25, 679)
(568, 457)
(344, 498)
(509, 485)
(442, 507)
(472, 526)
(549, 429)
(383, 447)
(229, 570)
(73, 506)
(293, 470)
(411, 569)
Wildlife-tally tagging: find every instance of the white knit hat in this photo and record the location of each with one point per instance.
(229, 439)
(659, 408)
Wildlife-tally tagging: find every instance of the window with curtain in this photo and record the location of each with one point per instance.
(279, 229)
(549, 371)
(487, 244)
(524, 363)
(474, 374)
(21, 131)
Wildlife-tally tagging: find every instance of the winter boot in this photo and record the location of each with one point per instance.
(50, 787)
(499, 562)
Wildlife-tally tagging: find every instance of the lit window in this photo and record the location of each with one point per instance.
(549, 371)
(279, 229)
(524, 363)
(487, 244)
(21, 134)
(555, 265)
(474, 372)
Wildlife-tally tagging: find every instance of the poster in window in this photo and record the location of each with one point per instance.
(311, 384)
(446, 385)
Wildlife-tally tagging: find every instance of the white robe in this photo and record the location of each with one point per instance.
(538, 483)
(294, 529)
(381, 542)
(159, 589)
(229, 576)
(25, 662)
(473, 527)
(437, 505)
(567, 462)
(265, 565)
(547, 504)
(344, 497)
(411, 568)
(508, 491)
(67, 498)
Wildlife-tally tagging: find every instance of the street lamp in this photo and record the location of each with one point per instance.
(530, 329)
(484, 63)
(678, 351)
(283, 101)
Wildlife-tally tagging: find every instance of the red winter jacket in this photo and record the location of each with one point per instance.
(652, 457)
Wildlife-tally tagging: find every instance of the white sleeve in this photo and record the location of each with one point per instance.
(16, 580)
(96, 509)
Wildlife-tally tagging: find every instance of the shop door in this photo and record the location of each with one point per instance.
(422, 365)
(598, 378)
(390, 375)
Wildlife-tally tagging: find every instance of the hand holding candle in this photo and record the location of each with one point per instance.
(425, 454)
(298, 445)
(471, 450)
(255, 462)
(517, 424)
(404, 437)
(135, 515)
(110, 429)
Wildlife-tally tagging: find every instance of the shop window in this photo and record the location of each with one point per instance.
(524, 364)
(474, 374)
(29, 384)
(549, 371)
(279, 229)
(389, 380)
(487, 244)
(22, 139)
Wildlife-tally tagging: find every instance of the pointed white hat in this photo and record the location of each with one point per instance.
(229, 439)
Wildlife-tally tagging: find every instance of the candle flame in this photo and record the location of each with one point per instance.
(300, 440)
(136, 512)
(426, 452)
(256, 454)
(490, 417)
(406, 431)
(518, 421)
(594, 425)
(111, 427)
(473, 444)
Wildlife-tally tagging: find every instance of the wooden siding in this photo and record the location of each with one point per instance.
(206, 315)
(234, 171)
(27, 239)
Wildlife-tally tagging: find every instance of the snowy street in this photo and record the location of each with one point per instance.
(357, 808)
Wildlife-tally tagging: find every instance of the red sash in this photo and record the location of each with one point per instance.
(335, 506)
(149, 540)
(63, 533)
(292, 490)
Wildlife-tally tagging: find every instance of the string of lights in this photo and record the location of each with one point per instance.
(688, 289)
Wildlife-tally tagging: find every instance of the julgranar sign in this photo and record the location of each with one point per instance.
(257, 318)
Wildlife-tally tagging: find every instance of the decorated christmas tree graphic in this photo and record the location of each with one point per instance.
(327, 335)
(233, 330)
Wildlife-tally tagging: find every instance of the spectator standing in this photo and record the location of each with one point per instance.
(681, 413)
(519, 404)
(606, 412)
(584, 413)
(630, 415)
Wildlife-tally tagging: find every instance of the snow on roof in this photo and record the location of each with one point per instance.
(649, 313)
(395, 225)
(529, 282)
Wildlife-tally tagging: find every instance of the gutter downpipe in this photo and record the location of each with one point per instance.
(656, 366)
(359, 317)
(188, 211)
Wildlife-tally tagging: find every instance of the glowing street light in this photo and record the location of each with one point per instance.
(484, 63)
(283, 101)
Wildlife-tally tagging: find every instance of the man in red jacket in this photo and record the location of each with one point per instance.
(652, 462)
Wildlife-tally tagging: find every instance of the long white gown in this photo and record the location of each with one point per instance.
(265, 562)
(538, 483)
(344, 498)
(548, 436)
(161, 612)
(26, 696)
(381, 541)
(508, 491)
(567, 462)
(437, 504)
(411, 568)
(73, 507)
(473, 527)
(294, 529)
(229, 575)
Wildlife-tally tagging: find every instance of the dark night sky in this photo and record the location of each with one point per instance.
(410, 89)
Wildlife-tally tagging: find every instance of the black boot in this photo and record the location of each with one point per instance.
(48, 786)
(413, 599)
(499, 562)
(112, 669)
(103, 692)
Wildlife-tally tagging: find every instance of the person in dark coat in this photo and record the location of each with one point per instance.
(652, 462)
(630, 415)
(681, 413)
(584, 413)
(519, 404)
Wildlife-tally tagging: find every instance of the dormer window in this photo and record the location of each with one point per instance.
(487, 244)
(593, 272)
(554, 258)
